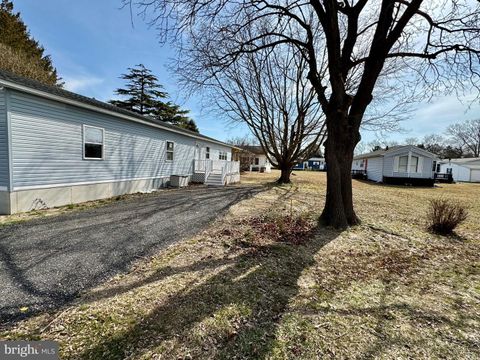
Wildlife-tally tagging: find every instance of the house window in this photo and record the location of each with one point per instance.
(414, 164)
(93, 139)
(222, 155)
(170, 147)
(257, 161)
(403, 164)
(434, 166)
(207, 153)
(361, 163)
(449, 170)
(438, 168)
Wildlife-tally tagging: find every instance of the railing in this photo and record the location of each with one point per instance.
(220, 166)
(448, 178)
(359, 174)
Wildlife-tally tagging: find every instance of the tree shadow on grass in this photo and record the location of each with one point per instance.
(260, 281)
(45, 263)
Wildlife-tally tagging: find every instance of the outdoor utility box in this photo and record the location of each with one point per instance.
(178, 180)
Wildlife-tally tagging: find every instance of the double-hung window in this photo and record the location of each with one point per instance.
(207, 153)
(170, 150)
(93, 143)
(403, 164)
(414, 164)
(222, 155)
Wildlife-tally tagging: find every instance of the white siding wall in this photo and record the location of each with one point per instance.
(375, 169)
(48, 146)
(3, 141)
(425, 170)
(459, 173)
(358, 164)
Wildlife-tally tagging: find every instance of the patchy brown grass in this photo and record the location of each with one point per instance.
(264, 282)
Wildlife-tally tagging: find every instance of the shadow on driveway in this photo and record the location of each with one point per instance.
(45, 263)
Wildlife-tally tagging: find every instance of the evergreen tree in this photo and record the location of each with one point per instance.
(172, 114)
(142, 91)
(143, 95)
(19, 52)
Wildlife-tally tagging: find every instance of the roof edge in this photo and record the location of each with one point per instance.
(44, 94)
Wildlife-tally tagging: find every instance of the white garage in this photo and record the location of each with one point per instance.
(475, 175)
(466, 170)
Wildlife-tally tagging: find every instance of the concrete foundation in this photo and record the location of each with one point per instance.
(36, 199)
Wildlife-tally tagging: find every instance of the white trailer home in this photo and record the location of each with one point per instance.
(465, 170)
(58, 148)
(398, 165)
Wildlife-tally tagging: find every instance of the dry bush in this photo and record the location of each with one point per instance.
(444, 216)
(283, 228)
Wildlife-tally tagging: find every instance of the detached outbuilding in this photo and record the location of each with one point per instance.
(397, 165)
(467, 170)
(58, 148)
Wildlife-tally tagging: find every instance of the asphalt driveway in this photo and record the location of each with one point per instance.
(45, 263)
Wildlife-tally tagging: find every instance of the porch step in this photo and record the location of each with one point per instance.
(214, 179)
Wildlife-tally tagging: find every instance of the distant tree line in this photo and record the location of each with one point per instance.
(460, 140)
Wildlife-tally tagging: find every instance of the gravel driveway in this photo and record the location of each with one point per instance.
(45, 263)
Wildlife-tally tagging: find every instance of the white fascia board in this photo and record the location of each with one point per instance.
(61, 99)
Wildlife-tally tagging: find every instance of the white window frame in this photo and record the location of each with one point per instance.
(169, 151)
(207, 152)
(84, 127)
(406, 165)
(410, 164)
(222, 155)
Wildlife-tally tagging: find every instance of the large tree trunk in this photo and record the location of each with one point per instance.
(286, 171)
(339, 147)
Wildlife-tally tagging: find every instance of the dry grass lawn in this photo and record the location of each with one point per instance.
(386, 289)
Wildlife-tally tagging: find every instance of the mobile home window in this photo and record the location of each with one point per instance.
(414, 164)
(93, 140)
(257, 161)
(207, 153)
(222, 155)
(403, 164)
(170, 149)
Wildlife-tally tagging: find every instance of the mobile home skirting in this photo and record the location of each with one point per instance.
(53, 196)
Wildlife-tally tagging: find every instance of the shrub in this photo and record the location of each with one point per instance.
(445, 215)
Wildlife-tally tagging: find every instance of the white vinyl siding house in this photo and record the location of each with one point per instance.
(464, 170)
(398, 163)
(58, 148)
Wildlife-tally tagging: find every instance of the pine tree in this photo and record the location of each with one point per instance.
(143, 94)
(19, 52)
(174, 115)
(142, 91)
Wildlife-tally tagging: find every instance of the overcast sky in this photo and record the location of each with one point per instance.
(92, 42)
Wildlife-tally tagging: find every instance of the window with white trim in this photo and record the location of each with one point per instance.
(93, 142)
(222, 155)
(170, 150)
(414, 164)
(403, 164)
(207, 153)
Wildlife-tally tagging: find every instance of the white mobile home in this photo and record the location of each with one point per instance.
(467, 170)
(58, 148)
(257, 159)
(398, 165)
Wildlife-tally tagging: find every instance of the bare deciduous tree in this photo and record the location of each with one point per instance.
(467, 135)
(430, 46)
(270, 92)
